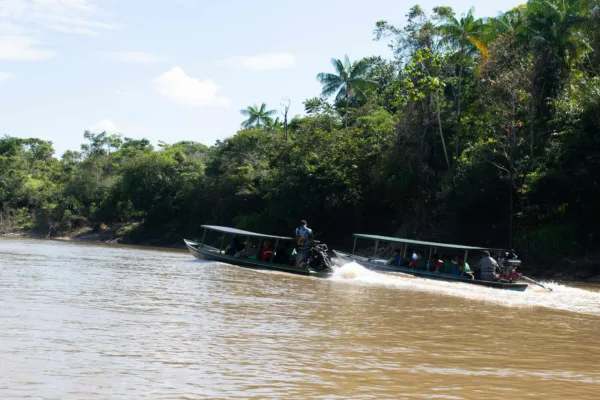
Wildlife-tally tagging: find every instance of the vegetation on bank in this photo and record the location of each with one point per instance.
(478, 131)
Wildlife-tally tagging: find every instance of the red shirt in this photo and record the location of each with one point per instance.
(266, 254)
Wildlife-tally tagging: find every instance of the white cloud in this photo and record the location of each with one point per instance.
(69, 16)
(263, 62)
(22, 21)
(4, 76)
(21, 48)
(180, 88)
(138, 57)
(104, 125)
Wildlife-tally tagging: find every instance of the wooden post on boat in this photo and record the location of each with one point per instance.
(376, 246)
(466, 255)
(404, 246)
(203, 237)
(274, 249)
(354, 247)
(430, 254)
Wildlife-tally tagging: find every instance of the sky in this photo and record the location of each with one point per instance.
(173, 70)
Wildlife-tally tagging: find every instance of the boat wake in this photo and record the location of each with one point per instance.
(561, 298)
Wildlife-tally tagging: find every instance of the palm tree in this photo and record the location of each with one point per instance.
(464, 35)
(257, 117)
(273, 124)
(350, 81)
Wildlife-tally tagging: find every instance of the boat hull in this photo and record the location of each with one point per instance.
(213, 254)
(365, 262)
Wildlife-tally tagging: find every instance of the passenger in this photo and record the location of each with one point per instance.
(464, 268)
(448, 265)
(251, 250)
(455, 270)
(436, 264)
(488, 267)
(304, 238)
(234, 247)
(267, 251)
(413, 255)
(396, 258)
(421, 263)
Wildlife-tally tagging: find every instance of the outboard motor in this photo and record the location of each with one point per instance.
(319, 260)
(508, 262)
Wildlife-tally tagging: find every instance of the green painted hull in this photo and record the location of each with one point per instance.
(213, 254)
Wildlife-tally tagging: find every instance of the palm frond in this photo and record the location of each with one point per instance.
(337, 65)
(347, 64)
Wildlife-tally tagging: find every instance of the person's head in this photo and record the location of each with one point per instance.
(267, 244)
(236, 240)
(396, 251)
(485, 253)
(303, 223)
(420, 255)
(436, 256)
(460, 260)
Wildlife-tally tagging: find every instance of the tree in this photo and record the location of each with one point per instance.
(350, 81)
(464, 35)
(552, 34)
(257, 116)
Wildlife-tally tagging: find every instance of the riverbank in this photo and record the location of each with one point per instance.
(117, 234)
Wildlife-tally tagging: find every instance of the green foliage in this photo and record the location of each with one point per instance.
(521, 91)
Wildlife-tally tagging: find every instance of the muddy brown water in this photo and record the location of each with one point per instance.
(96, 322)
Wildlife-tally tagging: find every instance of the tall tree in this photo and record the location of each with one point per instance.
(350, 82)
(257, 116)
(553, 35)
(464, 35)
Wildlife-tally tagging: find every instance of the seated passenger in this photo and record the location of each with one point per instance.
(464, 268)
(234, 247)
(436, 264)
(488, 267)
(421, 263)
(267, 251)
(448, 265)
(396, 258)
(455, 270)
(249, 251)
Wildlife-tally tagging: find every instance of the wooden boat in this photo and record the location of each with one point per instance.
(382, 265)
(203, 251)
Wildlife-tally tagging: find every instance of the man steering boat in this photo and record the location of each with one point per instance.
(304, 240)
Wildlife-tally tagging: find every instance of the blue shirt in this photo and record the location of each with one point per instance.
(303, 237)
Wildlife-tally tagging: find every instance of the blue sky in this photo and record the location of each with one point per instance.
(175, 70)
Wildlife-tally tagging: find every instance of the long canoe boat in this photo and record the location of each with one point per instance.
(203, 251)
(380, 265)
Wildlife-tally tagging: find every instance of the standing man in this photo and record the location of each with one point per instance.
(488, 267)
(304, 238)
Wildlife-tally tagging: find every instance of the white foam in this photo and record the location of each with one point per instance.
(561, 298)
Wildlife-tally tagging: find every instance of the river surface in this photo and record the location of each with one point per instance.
(98, 322)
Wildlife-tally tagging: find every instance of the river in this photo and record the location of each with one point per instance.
(96, 322)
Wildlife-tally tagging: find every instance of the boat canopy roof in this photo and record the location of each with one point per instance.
(240, 232)
(416, 242)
